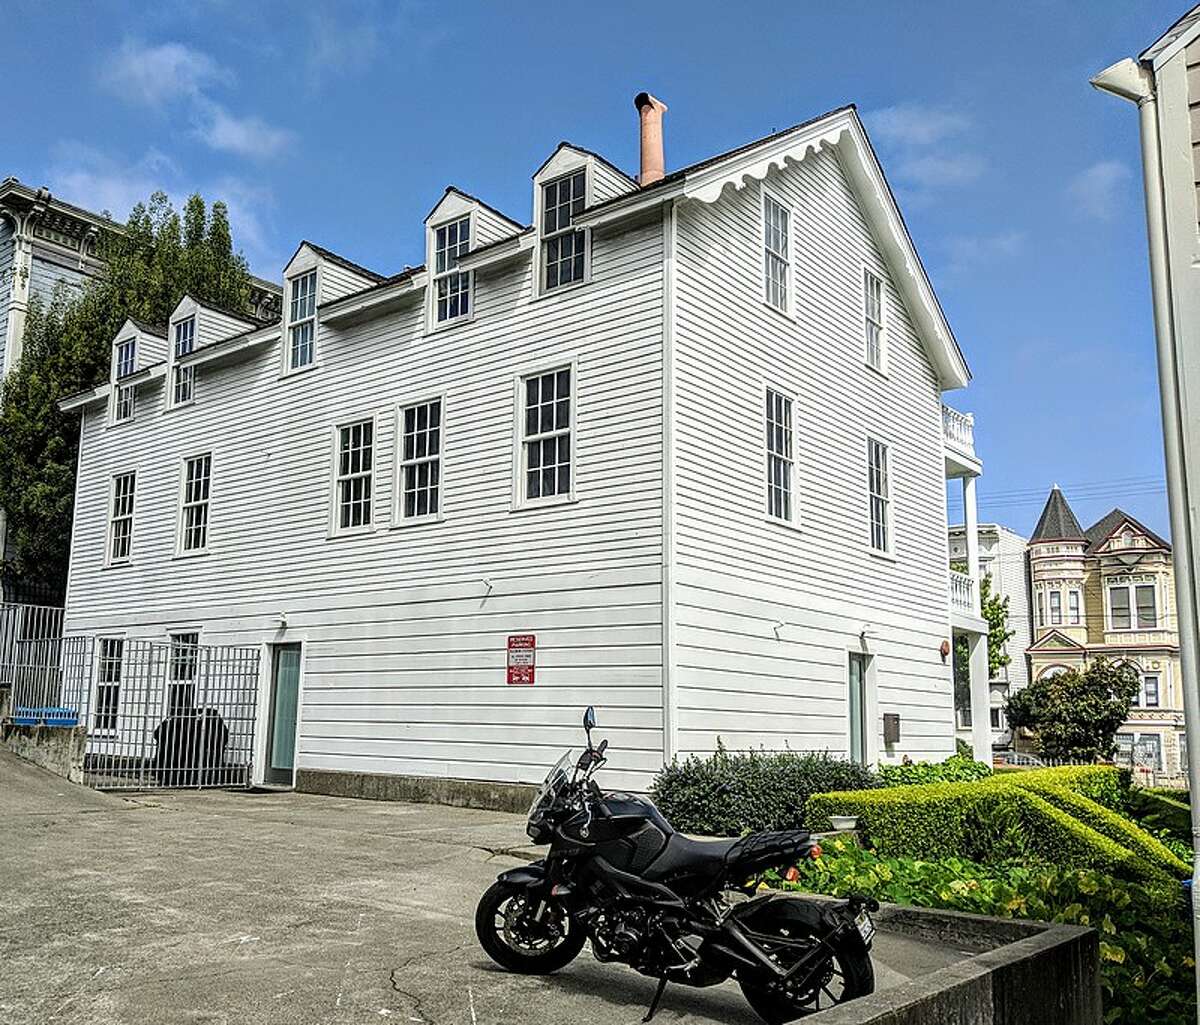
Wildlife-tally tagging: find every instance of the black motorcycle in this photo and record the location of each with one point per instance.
(668, 906)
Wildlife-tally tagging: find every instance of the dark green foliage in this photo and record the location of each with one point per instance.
(955, 769)
(1157, 812)
(728, 794)
(67, 349)
(1075, 715)
(1147, 972)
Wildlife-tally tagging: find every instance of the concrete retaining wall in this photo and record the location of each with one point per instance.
(59, 749)
(460, 793)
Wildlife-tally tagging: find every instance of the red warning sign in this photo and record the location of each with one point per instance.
(522, 649)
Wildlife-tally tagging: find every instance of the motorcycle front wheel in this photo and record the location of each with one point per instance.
(515, 937)
(847, 974)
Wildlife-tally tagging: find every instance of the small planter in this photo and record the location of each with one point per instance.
(844, 823)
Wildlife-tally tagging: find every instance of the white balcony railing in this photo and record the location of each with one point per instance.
(959, 430)
(962, 593)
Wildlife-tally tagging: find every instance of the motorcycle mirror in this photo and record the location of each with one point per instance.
(589, 719)
(603, 746)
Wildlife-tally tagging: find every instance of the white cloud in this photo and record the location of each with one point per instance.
(967, 252)
(934, 170)
(337, 46)
(155, 75)
(916, 124)
(1098, 190)
(244, 136)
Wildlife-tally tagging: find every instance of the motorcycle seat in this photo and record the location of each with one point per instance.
(759, 851)
(685, 857)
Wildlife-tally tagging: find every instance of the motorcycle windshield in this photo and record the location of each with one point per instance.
(555, 780)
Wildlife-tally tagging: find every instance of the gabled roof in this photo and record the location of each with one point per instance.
(155, 330)
(245, 318)
(589, 153)
(1056, 640)
(1057, 522)
(1180, 34)
(332, 257)
(455, 190)
(1106, 526)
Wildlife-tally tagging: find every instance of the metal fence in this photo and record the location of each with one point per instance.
(176, 714)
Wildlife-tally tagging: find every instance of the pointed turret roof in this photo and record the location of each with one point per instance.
(1057, 522)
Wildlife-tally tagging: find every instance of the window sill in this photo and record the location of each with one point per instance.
(403, 523)
(173, 406)
(351, 532)
(298, 371)
(879, 371)
(436, 327)
(787, 315)
(123, 564)
(548, 293)
(533, 504)
(792, 525)
(197, 554)
(875, 553)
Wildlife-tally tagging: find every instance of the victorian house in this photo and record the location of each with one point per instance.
(1109, 590)
(677, 441)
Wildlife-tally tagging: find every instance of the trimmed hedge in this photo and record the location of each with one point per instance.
(955, 769)
(727, 794)
(1042, 814)
(1104, 784)
(1155, 810)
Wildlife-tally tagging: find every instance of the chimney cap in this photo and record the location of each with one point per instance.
(644, 99)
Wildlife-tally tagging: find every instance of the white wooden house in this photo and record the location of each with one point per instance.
(674, 449)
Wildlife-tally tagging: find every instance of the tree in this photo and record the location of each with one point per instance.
(1076, 714)
(68, 348)
(994, 610)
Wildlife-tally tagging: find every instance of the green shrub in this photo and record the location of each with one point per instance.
(954, 769)
(1157, 812)
(1104, 784)
(727, 794)
(1145, 936)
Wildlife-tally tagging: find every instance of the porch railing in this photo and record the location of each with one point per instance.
(958, 429)
(962, 592)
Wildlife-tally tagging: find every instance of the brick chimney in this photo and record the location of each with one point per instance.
(650, 112)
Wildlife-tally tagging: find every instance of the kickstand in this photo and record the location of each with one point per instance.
(662, 984)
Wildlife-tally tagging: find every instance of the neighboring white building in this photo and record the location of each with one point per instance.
(680, 445)
(1002, 556)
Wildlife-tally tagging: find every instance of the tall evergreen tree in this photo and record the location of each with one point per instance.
(68, 348)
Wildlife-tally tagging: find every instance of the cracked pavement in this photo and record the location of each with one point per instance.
(228, 908)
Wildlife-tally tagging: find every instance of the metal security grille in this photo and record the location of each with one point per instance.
(175, 714)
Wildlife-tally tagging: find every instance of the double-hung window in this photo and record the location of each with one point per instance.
(108, 684)
(453, 287)
(193, 511)
(184, 378)
(564, 247)
(873, 318)
(354, 471)
(302, 320)
(1118, 608)
(1150, 691)
(777, 267)
(1130, 606)
(780, 460)
(1056, 608)
(124, 364)
(546, 435)
(1041, 608)
(1073, 607)
(879, 492)
(1147, 611)
(120, 517)
(185, 652)
(421, 460)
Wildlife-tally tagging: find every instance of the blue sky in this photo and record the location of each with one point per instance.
(343, 123)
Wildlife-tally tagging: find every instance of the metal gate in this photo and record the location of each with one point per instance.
(175, 714)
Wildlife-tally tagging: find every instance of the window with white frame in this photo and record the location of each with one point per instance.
(1073, 607)
(452, 287)
(873, 318)
(546, 435)
(777, 220)
(1132, 606)
(879, 491)
(120, 518)
(1148, 751)
(1056, 608)
(124, 402)
(108, 684)
(1150, 697)
(126, 358)
(184, 378)
(1124, 752)
(421, 460)
(185, 654)
(193, 510)
(302, 320)
(564, 247)
(780, 462)
(1041, 608)
(355, 469)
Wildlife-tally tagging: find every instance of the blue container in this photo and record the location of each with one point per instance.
(46, 716)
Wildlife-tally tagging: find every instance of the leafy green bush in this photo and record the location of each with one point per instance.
(1157, 812)
(1104, 784)
(727, 794)
(1145, 936)
(955, 769)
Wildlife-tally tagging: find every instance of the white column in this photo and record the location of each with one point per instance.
(971, 514)
(981, 700)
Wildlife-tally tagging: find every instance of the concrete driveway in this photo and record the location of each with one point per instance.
(241, 908)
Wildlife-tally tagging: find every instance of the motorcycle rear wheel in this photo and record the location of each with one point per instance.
(512, 937)
(848, 974)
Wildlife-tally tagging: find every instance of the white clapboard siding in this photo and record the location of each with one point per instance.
(150, 349)
(768, 612)
(405, 626)
(336, 280)
(608, 182)
(212, 325)
(491, 226)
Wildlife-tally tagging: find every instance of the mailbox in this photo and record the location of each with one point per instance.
(891, 728)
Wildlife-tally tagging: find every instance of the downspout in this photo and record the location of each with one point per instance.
(670, 708)
(1134, 82)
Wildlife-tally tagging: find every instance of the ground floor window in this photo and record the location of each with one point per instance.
(181, 695)
(1148, 751)
(858, 707)
(1124, 754)
(108, 684)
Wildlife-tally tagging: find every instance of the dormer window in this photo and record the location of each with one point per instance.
(302, 320)
(184, 378)
(564, 247)
(453, 287)
(124, 364)
(126, 357)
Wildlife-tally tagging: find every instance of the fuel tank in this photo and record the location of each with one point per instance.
(626, 830)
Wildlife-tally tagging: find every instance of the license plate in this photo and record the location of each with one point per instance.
(866, 928)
